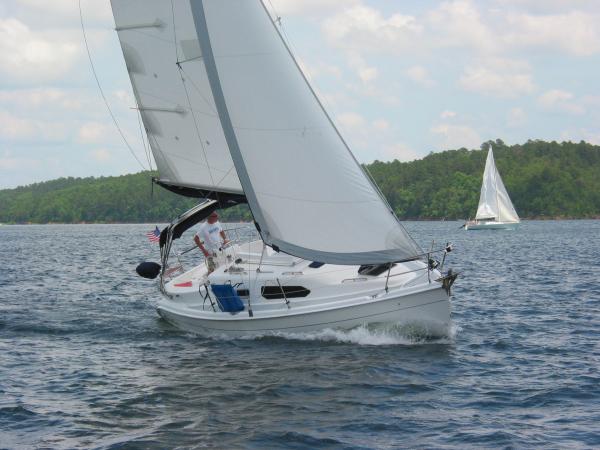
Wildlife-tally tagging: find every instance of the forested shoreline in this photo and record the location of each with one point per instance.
(544, 180)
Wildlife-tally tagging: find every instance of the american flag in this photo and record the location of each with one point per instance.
(153, 236)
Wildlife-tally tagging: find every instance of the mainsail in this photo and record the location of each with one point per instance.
(308, 194)
(494, 202)
(166, 68)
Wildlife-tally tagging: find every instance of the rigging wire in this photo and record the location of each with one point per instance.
(200, 93)
(147, 149)
(197, 127)
(102, 92)
(174, 31)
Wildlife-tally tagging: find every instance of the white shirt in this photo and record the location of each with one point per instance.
(210, 235)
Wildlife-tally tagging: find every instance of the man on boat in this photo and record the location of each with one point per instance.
(210, 238)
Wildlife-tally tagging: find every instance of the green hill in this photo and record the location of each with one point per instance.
(543, 179)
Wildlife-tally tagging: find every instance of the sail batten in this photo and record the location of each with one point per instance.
(170, 86)
(494, 202)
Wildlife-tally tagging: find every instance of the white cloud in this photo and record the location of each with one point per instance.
(361, 28)
(516, 118)
(420, 75)
(371, 140)
(459, 24)
(375, 91)
(16, 128)
(124, 97)
(365, 72)
(319, 70)
(10, 162)
(311, 7)
(550, 98)
(548, 6)
(456, 136)
(43, 13)
(566, 26)
(44, 99)
(93, 133)
(574, 32)
(381, 125)
(101, 155)
(562, 101)
(32, 56)
(335, 101)
(581, 134)
(593, 100)
(497, 77)
(447, 114)
(399, 151)
(351, 120)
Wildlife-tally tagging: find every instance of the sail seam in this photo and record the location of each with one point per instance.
(268, 194)
(303, 129)
(160, 151)
(197, 163)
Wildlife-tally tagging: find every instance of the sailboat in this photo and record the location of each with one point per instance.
(231, 120)
(495, 210)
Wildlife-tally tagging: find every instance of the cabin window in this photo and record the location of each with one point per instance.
(277, 292)
(374, 269)
(243, 292)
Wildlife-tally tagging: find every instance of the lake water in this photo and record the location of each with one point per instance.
(86, 363)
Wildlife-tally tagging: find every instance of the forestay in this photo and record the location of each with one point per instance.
(309, 196)
(494, 202)
(165, 64)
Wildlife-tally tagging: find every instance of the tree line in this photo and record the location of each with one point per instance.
(544, 179)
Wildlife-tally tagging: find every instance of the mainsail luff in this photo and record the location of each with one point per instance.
(494, 202)
(273, 120)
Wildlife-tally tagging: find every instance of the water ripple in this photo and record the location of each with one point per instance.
(86, 363)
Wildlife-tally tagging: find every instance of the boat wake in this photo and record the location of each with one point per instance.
(373, 334)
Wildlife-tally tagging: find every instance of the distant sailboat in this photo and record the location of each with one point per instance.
(495, 210)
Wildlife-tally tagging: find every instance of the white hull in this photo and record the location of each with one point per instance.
(491, 225)
(429, 310)
(339, 298)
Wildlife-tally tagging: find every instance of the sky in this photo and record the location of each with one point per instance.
(400, 78)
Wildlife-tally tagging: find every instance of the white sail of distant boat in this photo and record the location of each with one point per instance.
(495, 210)
(231, 119)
